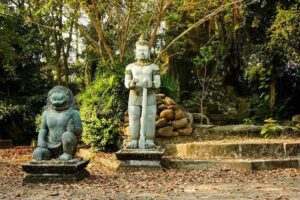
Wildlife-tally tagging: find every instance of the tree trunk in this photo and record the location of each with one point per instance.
(272, 99)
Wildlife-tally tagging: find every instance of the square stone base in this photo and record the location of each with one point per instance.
(135, 159)
(55, 171)
(5, 144)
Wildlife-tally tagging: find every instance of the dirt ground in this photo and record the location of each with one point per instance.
(105, 183)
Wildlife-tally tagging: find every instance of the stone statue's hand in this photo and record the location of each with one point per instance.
(145, 84)
(71, 126)
(42, 144)
(133, 82)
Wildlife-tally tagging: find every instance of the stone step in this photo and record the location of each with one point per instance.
(232, 164)
(220, 119)
(263, 148)
(111, 161)
(211, 132)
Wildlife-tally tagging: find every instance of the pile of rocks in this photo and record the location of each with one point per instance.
(171, 120)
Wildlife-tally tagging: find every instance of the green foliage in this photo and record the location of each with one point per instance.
(8, 111)
(38, 122)
(248, 121)
(102, 107)
(24, 83)
(271, 127)
(272, 64)
(169, 87)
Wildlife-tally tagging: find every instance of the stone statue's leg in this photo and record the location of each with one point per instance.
(69, 143)
(41, 154)
(134, 113)
(150, 127)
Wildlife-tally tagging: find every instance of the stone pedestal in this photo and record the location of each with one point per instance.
(55, 171)
(140, 158)
(5, 144)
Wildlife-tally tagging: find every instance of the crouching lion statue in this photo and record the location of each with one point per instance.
(60, 128)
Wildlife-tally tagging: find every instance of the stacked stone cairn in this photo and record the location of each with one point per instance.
(171, 120)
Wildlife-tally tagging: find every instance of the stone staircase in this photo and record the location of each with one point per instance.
(232, 147)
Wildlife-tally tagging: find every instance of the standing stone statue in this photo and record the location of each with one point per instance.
(142, 78)
(60, 127)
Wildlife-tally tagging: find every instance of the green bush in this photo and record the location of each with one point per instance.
(271, 127)
(169, 87)
(102, 107)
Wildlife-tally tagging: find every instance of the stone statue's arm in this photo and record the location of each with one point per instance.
(130, 83)
(77, 124)
(156, 77)
(43, 132)
(128, 77)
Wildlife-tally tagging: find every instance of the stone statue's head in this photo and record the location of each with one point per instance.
(142, 51)
(60, 98)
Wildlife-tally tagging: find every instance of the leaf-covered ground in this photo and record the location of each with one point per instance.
(105, 183)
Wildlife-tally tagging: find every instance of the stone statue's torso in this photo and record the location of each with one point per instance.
(57, 122)
(142, 73)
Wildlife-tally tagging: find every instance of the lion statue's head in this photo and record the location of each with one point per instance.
(60, 98)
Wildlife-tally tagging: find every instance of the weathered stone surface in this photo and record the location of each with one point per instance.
(161, 122)
(173, 107)
(168, 101)
(54, 166)
(5, 144)
(134, 154)
(161, 96)
(207, 151)
(162, 107)
(242, 150)
(56, 178)
(166, 131)
(59, 137)
(262, 150)
(267, 164)
(175, 133)
(168, 114)
(131, 159)
(296, 119)
(159, 102)
(221, 132)
(178, 114)
(180, 124)
(54, 171)
(292, 149)
(186, 131)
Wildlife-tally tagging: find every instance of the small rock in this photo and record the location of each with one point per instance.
(175, 133)
(172, 107)
(169, 101)
(161, 123)
(181, 123)
(178, 114)
(296, 119)
(185, 131)
(159, 102)
(165, 131)
(162, 107)
(168, 114)
(156, 117)
(161, 95)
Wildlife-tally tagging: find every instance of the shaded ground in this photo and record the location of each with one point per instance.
(105, 183)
